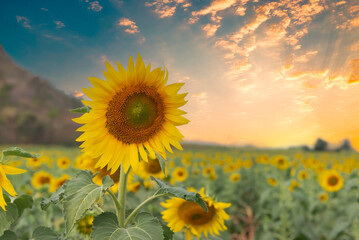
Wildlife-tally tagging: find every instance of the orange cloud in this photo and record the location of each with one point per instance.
(214, 7)
(130, 26)
(77, 94)
(167, 8)
(210, 29)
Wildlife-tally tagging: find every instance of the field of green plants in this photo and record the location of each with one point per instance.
(273, 194)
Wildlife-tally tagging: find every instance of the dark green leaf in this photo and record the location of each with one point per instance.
(8, 217)
(22, 202)
(16, 151)
(162, 162)
(44, 233)
(55, 198)
(8, 235)
(167, 233)
(180, 193)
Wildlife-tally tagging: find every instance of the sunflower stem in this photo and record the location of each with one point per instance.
(122, 198)
(116, 202)
(133, 213)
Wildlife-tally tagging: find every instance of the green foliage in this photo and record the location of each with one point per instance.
(162, 162)
(80, 195)
(55, 198)
(22, 202)
(145, 227)
(180, 193)
(84, 109)
(167, 232)
(44, 233)
(8, 235)
(19, 152)
(8, 217)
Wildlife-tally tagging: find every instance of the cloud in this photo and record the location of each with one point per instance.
(210, 29)
(141, 40)
(52, 37)
(24, 21)
(44, 9)
(354, 47)
(77, 94)
(213, 8)
(350, 24)
(305, 57)
(95, 6)
(354, 76)
(59, 24)
(130, 26)
(167, 8)
(201, 97)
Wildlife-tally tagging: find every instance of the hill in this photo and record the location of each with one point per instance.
(32, 110)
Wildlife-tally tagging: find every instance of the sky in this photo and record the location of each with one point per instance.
(267, 73)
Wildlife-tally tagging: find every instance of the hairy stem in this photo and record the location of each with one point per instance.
(122, 198)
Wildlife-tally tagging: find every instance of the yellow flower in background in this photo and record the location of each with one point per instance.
(247, 164)
(40, 179)
(303, 175)
(280, 162)
(150, 168)
(58, 182)
(323, 197)
(179, 174)
(85, 161)
(85, 224)
(235, 177)
(186, 160)
(331, 180)
(190, 217)
(271, 181)
(5, 182)
(293, 172)
(133, 186)
(134, 113)
(63, 162)
(33, 162)
(208, 171)
(293, 185)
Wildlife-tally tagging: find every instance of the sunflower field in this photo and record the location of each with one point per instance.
(128, 183)
(260, 194)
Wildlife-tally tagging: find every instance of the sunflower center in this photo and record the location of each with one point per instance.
(280, 161)
(180, 173)
(153, 166)
(44, 180)
(135, 114)
(333, 180)
(193, 214)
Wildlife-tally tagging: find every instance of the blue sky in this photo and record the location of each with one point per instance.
(271, 73)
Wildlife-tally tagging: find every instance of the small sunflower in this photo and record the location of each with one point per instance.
(280, 162)
(323, 197)
(150, 168)
(33, 162)
(134, 113)
(208, 171)
(235, 177)
(190, 217)
(247, 164)
(331, 180)
(293, 185)
(58, 182)
(40, 179)
(5, 182)
(271, 181)
(179, 174)
(85, 224)
(63, 162)
(303, 175)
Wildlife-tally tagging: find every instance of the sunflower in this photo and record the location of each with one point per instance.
(63, 162)
(40, 179)
(247, 164)
(150, 168)
(323, 197)
(179, 174)
(208, 171)
(280, 162)
(33, 162)
(134, 113)
(331, 180)
(85, 224)
(5, 182)
(190, 217)
(293, 185)
(58, 182)
(235, 177)
(271, 181)
(303, 175)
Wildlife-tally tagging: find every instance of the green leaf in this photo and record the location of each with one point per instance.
(44, 233)
(84, 109)
(16, 151)
(167, 233)
(105, 226)
(8, 217)
(340, 226)
(55, 198)
(162, 162)
(22, 202)
(80, 194)
(8, 235)
(180, 193)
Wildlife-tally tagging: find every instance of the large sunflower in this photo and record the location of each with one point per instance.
(5, 182)
(133, 113)
(331, 180)
(190, 217)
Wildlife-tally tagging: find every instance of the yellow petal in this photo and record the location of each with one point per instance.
(12, 170)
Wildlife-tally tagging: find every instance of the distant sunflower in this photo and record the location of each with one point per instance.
(150, 168)
(331, 180)
(179, 174)
(5, 182)
(85, 224)
(63, 162)
(271, 181)
(280, 162)
(323, 197)
(190, 217)
(235, 177)
(134, 113)
(303, 175)
(40, 179)
(55, 183)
